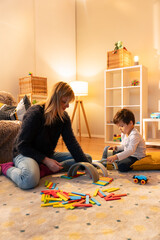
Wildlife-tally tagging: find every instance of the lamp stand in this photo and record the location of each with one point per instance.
(79, 103)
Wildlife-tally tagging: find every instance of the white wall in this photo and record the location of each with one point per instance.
(37, 36)
(101, 23)
(55, 40)
(16, 42)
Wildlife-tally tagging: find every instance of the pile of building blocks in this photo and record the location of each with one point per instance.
(75, 176)
(103, 181)
(155, 115)
(70, 200)
(117, 138)
(111, 196)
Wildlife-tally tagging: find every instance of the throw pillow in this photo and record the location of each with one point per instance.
(8, 112)
(150, 162)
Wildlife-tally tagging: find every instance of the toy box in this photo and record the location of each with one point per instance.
(119, 58)
(33, 84)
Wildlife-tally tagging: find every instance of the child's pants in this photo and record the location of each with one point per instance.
(123, 165)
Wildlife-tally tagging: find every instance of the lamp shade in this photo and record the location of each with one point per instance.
(80, 88)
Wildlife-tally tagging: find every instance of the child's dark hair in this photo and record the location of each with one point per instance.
(124, 115)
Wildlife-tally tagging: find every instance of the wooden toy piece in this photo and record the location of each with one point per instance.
(119, 195)
(95, 193)
(87, 199)
(81, 194)
(107, 179)
(79, 202)
(91, 202)
(83, 205)
(96, 202)
(79, 173)
(53, 186)
(102, 183)
(75, 197)
(66, 195)
(109, 153)
(100, 194)
(89, 167)
(46, 183)
(53, 199)
(43, 197)
(104, 195)
(101, 166)
(112, 189)
(49, 184)
(110, 199)
(62, 196)
(63, 176)
(110, 195)
(117, 138)
(48, 204)
(58, 206)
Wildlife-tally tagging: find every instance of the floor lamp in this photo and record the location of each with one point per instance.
(80, 88)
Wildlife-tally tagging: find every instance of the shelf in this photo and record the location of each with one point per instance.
(119, 93)
(131, 87)
(113, 88)
(131, 106)
(153, 124)
(151, 142)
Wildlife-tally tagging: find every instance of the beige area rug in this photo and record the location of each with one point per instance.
(134, 217)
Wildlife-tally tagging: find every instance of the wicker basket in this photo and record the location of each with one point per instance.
(32, 97)
(33, 84)
(118, 59)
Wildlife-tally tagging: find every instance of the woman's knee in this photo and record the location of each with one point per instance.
(29, 174)
(31, 180)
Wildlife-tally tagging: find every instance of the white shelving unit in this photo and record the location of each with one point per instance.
(119, 93)
(151, 140)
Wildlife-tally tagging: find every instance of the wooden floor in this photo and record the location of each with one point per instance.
(95, 146)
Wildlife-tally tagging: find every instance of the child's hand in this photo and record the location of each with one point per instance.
(111, 159)
(114, 148)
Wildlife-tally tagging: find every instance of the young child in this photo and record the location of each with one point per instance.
(132, 147)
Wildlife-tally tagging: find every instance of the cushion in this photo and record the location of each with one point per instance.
(150, 162)
(7, 98)
(8, 132)
(8, 112)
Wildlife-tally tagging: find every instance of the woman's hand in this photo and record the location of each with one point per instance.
(111, 159)
(53, 165)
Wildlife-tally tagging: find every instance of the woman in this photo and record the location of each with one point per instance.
(42, 125)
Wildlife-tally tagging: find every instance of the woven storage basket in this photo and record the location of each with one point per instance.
(118, 59)
(33, 84)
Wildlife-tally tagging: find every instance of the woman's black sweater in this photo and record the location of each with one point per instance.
(38, 141)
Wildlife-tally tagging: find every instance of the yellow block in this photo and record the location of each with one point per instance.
(48, 204)
(95, 193)
(92, 202)
(58, 205)
(43, 198)
(49, 184)
(62, 197)
(53, 199)
(110, 190)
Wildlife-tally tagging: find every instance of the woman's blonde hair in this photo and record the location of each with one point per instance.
(52, 105)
